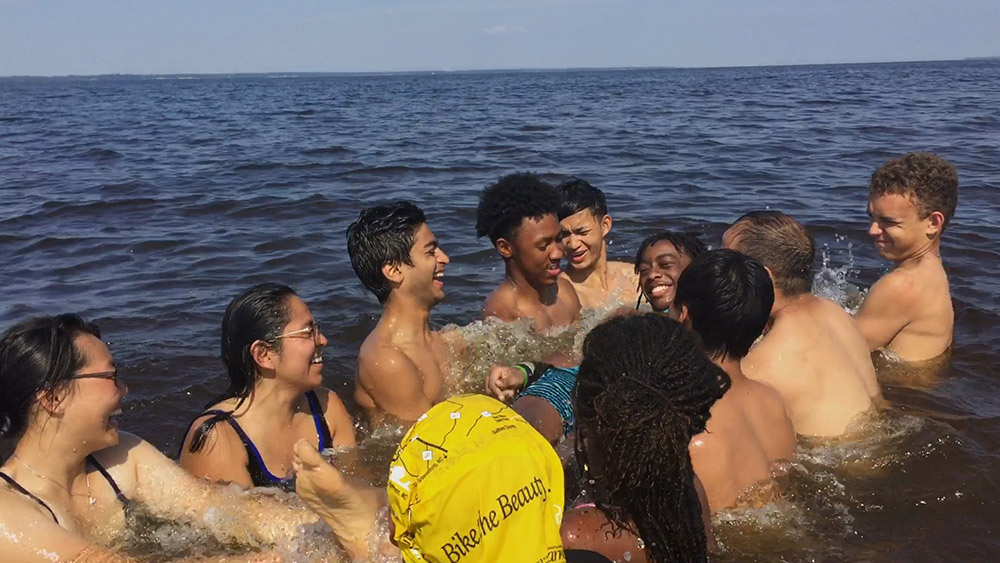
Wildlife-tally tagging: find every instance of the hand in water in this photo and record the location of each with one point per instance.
(349, 507)
(503, 382)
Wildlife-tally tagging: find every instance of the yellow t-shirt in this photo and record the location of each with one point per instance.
(473, 482)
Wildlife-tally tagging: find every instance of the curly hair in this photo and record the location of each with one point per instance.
(513, 198)
(382, 235)
(644, 389)
(685, 243)
(781, 244)
(930, 180)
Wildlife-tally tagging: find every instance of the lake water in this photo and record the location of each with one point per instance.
(146, 204)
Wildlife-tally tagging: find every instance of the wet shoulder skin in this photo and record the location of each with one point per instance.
(815, 357)
(562, 308)
(401, 380)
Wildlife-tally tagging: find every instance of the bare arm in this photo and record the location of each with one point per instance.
(886, 310)
(394, 384)
(169, 492)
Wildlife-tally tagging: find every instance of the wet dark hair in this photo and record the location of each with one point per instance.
(575, 195)
(37, 355)
(512, 199)
(685, 243)
(382, 235)
(644, 389)
(259, 313)
(728, 296)
(781, 244)
(930, 180)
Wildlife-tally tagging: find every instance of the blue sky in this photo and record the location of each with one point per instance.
(58, 37)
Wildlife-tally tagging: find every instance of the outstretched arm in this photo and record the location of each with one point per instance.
(886, 310)
(227, 512)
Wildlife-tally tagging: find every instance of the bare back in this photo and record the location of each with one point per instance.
(400, 375)
(560, 308)
(747, 433)
(816, 358)
(909, 311)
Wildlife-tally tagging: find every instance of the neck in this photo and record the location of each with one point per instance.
(404, 316)
(782, 300)
(525, 287)
(273, 400)
(731, 366)
(596, 275)
(49, 453)
(932, 250)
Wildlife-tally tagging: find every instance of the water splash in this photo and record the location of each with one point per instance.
(832, 282)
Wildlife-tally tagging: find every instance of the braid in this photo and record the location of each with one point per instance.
(644, 389)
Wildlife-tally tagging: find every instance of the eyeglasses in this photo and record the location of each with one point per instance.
(111, 375)
(312, 331)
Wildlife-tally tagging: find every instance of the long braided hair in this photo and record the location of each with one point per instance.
(644, 389)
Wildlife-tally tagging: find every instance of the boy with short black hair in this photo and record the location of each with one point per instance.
(909, 311)
(583, 215)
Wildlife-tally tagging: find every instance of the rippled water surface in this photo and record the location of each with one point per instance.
(148, 203)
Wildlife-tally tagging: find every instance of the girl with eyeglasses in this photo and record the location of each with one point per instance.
(74, 481)
(272, 349)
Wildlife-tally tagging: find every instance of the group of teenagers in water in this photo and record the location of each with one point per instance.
(620, 451)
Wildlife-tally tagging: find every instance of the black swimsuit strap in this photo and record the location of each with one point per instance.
(126, 503)
(17, 487)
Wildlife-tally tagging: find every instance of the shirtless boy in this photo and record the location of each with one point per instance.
(725, 297)
(583, 214)
(402, 363)
(813, 352)
(909, 311)
(660, 261)
(518, 213)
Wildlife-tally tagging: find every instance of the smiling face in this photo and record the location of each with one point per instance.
(583, 239)
(300, 358)
(660, 267)
(425, 278)
(92, 406)
(897, 228)
(536, 250)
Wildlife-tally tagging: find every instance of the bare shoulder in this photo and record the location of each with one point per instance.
(329, 401)
(567, 293)
(899, 287)
(589, 529)
(31, 535)
(769, 401)
(502, 303)
(382, 359)
(623, 270)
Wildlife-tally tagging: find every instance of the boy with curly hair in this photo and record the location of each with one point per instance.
(519, 214)
(909, 311)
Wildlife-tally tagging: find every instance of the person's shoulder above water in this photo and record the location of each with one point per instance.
(389, 381)
(587, 529)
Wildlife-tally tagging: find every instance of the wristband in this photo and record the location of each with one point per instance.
(526, 369)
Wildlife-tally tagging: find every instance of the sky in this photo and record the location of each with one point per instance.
(63, 37)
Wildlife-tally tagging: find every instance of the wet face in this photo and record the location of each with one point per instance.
(93, 405)
(537, 250)
(425, 278)
(660, 267)
(300, 358)
(896, 227)
(583, 239)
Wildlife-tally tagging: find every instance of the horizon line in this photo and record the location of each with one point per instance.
(482, 70)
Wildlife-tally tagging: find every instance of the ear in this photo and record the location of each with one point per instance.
(683, 316)
(505, 248)
(935, 223)
(770, 274)
(263, 354)
(52, 401)
(392, 272)
(606, 222)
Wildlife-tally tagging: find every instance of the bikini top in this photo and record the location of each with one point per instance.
(260, 476)
(126, 502)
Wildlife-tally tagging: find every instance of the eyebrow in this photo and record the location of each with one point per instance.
(432, 244)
